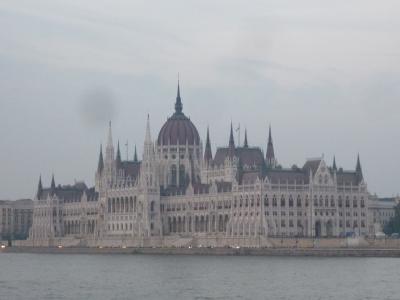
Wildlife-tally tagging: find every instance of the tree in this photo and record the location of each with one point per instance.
(393, 226)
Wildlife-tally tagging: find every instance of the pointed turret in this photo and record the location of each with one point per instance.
(148, 135)
(53, 185)
(270, 156)
(109, 138)
(135, 156)
(231, 143)
(178, 103)
(40, 188)
(334, 168)
(207, 151)
(100, 165)
(118, 158)
(245, 145)
(359, 173)
(110, 146)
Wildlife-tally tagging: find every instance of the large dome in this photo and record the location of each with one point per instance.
(178, 129)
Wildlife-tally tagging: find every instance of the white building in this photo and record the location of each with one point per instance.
(177, 190)
(15, 218)
(381, 210)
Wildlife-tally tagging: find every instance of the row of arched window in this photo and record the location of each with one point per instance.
(121, 205)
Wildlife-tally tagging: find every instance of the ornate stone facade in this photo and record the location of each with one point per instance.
(177, 191)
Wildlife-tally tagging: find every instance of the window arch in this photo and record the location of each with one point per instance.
(182, 175)
(298, 201)
(283, 201)
(266, 201)
(173, 174)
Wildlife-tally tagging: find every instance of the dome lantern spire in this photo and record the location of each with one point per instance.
(178, 103)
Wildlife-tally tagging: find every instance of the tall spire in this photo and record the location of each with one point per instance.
(100, 165)
(118, 158)
(359, 173)
(148, 135)
(245, 145)
(334, 164)
(135, 156)
(109, 147)
(270, 157)
(40, 188)
(178, 103)
(109, 139)
(231, 143)
(207, 151)
(53, 184)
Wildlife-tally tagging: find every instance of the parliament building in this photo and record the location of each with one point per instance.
(181, 193)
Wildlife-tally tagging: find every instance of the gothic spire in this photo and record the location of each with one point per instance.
(178, 103)
(135, 156)
(207, 151)
(40, 187)
(359, 173)
(245, 145)
(118, 159)
(109, 139)
(53, 184)
(231, 143)
(270, 157)
(100, 165)
(109, 147)
(148, 135)
(334, 164)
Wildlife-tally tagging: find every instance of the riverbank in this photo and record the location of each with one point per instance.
(310, 252)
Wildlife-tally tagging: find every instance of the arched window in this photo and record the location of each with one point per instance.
(315, 201)
(340, 202)
(283, 202)
(326, 201)
(332, 201)
(274, 202)
(152, 206)
(182, 175)
(173, 174)
(347, 202)
(298, 201)
(130, 204)
(266, 201)
(290, 201)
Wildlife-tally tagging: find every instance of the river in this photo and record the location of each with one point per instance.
(76, 276)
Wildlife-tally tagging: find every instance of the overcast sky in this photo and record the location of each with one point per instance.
(325, 74)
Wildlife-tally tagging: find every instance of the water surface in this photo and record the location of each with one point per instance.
(62, 276)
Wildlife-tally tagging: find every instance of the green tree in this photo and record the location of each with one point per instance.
(393, 226)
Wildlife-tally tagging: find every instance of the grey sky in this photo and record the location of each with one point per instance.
(325, 74)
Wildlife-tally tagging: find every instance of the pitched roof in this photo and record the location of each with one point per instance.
(289, 176)
(247, 156)
(131, 168)
(312, 164)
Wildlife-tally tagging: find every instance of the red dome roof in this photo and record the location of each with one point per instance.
(178, 129)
